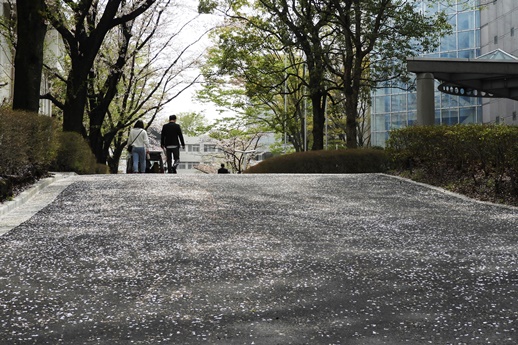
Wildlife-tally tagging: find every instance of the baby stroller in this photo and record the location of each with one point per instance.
(154, 163)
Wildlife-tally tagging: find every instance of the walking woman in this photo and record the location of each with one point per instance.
(139, 140)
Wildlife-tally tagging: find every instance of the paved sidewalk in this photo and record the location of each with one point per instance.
(257, 259)
(32, 200)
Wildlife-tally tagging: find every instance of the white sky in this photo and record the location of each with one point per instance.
(185, 102)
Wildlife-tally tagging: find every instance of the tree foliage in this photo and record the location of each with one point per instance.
(237, 141)
(256, 79)
(193, 124)
(138, 70)
(348, 46)
(134, 81)
(83, 27)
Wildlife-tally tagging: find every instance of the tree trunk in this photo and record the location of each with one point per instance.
(351, 113)
(75, 103)
(97, 144)
(352, 85)
(100, 104)
(119, 146)
(318, 100)
(31, 30)
(113, 161)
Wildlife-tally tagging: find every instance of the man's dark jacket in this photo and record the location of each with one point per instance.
(171, 135)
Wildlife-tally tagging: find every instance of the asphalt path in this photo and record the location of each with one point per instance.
(257, 259)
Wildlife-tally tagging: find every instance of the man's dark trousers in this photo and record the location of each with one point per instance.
(173, 158)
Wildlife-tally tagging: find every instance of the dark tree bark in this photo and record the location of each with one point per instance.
(305, 26)
(100, 101)
(31, 30)
(83, 43)
(374, 38)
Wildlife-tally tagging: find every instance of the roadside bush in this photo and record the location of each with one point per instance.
(6, 188)
(74, 155)
(28, 146)
(28, 143)
(102, 168)
(325, 162)
(465, 158)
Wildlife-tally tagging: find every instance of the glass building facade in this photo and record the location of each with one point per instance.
(394, 108)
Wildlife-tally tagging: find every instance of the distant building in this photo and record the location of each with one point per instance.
(204, 150)
(198, 150)
(476, 32)
(499, 30)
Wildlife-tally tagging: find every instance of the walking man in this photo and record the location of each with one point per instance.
(170, 139)
(223, 170)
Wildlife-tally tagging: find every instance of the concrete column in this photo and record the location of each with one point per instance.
(425, 99)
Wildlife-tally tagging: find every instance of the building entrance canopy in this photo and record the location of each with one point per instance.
(491, 75)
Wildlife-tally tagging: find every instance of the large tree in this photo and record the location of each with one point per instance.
(152, 77)
(83, 25)
(295, 24)
(267, 80)
(138, 70)
(348, 45)
(372, 40)
(303, 24)
(31, 30)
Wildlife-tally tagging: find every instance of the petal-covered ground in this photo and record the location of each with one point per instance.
(260, 259)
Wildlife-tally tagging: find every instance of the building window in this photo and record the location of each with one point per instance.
(497, 120)
(514, 115)
(391, 110)
(187, 165)
(512, 32)
(466, 39)
(466, 21)
(209, 148)
(495, 40)
(193, 147)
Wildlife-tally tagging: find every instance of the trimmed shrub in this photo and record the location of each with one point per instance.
(325, 162)
(74, 154)
(28, 146)
(102, 168)
(6, 188)
(464, 158)
(28, 143)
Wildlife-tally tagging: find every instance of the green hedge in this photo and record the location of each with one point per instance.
(28, 147)
(74, 155)
(325, 162)
(462, 157)
(28, 143)
(32, 145)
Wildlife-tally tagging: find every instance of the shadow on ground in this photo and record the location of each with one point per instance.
(269, 259)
